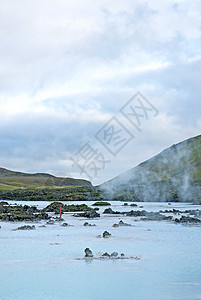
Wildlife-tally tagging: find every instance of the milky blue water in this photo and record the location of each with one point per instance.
(42, 263)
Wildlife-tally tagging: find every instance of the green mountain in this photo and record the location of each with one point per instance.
(172, 175)
(10, 180)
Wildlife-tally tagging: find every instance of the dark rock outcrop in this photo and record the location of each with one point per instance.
(188, 220)
(88, 253)
(88, 224)
(106, 234)
(110, 211)
(26, 227)
(121, 223)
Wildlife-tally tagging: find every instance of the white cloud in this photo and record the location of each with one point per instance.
(67, 67)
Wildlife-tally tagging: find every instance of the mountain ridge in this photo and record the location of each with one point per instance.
(174, 173)
(14, 179)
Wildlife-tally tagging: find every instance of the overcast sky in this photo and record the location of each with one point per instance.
(68, 67)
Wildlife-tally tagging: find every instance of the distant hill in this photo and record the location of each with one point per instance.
(11, 180)
(172, 175)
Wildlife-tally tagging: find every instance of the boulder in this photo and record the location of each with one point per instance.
(106, 234)
(88, 252)
(110, 211)
(106, 255)
(114, 254)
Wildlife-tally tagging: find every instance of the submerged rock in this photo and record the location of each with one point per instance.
(26, 227)
(156, 216)
(136, 213)
(88, 214)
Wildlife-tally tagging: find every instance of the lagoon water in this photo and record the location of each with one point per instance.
(42, 263)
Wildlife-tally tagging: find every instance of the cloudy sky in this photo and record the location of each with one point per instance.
(68, 67)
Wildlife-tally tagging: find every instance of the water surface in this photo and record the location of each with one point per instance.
(42, 263)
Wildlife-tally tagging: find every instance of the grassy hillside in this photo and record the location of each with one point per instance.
(10, 180)
(174, 174)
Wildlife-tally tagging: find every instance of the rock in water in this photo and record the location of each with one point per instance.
(121, 223)
(88, 214)
(50, 222)
(64, 224)
(26, 227)
(88, 224)
(114, 254)
(110, 211)
(88, 252)
(106, 255)
(106, 234)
